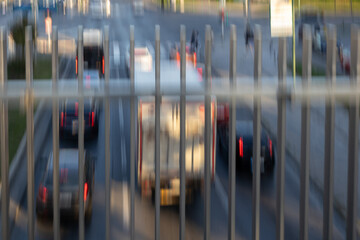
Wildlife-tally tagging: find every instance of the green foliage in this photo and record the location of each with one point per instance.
(18, 30)
(17, 126)
(16, 69)
(42, 68)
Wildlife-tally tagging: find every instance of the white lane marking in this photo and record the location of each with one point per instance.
(116, 52)
(122, 139)
(125, 193)
(220, 190)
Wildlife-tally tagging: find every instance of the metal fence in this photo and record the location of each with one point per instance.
(304, 92)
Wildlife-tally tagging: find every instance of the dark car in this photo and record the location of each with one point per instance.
(244, 146)
(68, 186)
(69, 118)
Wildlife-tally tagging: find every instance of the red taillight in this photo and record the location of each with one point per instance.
(92, 119)
(241, 147)
(76, 109)
(103, 65)
(194, 59)
(76, 63)
(62, 119)
(85, 191)
(270, 147)
(43, 193)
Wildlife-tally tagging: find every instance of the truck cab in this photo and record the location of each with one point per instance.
(93, 51)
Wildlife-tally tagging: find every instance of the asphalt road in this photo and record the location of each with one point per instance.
(144, 209)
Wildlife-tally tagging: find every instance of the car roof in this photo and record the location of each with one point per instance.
(170, 77)
(244, 127)
(68, 158)
(92, 37)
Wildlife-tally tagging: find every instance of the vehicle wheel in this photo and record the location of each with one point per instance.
(269, 167)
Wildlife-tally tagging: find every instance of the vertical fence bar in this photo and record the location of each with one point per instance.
(107, 134)
(207, 130)
(232, 135)
(132, 136)
(305, 135)
(55, 129)
(4, 139)
(81, 132)
(280, 178)
(157, 132)
(257, 137)
(29, 129)
(353, 164)
(329, 136)
(182, 129)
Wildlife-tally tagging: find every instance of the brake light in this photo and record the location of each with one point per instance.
(178, 57)
(103, 65)
(62, 119)
(85, 191)
(194, 59)
(270, 147)
(76, 109)
(241, 147)
(92, 119)
(76, 63)
(43, 193)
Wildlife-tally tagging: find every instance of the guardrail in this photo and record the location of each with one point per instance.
(233, 92)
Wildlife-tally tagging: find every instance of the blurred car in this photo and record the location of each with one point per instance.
(68, 186)
(143, 59)
(138, 7)
(191, 57)
(69, 119)
(93, 51)
(244, 146)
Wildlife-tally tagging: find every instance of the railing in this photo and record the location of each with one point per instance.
(330, 91)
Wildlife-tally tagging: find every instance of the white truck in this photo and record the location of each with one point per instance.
(170, 135)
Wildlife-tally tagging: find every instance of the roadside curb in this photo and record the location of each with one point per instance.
(17, 170)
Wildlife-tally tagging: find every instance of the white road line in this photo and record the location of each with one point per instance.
(125, 191)
(122, 139)
(125, 194)
(116, 53)
(220, 190)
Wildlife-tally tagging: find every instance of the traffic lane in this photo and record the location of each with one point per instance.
(19, 230)
(268, 199)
